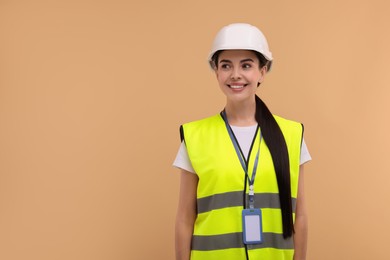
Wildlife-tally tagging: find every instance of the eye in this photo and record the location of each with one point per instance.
(246, 65)
(225, 66)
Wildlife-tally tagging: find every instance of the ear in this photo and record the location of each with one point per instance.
(215, 69)
(212, 65)
(263, 71)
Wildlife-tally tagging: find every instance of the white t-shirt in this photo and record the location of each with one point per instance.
(244, 135)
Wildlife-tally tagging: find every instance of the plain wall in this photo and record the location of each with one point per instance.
(92, 95)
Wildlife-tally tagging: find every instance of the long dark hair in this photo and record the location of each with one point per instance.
(277, 146)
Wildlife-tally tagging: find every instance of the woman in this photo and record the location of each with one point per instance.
(241, 188)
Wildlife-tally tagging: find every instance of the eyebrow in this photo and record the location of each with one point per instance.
(242, 61)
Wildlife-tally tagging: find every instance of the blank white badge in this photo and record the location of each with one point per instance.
(252, 226)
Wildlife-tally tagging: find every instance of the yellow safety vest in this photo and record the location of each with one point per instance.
(220, 194)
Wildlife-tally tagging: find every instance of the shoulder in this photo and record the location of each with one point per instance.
(290, 128)
(201, 127)
(287, 123)
(205, 124)
(283, 120)
(204, 121)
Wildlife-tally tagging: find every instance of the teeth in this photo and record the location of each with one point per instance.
(236, 87)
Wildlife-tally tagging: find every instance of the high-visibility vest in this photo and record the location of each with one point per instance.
(220, 193)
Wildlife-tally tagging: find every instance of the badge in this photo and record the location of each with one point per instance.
(251, 226)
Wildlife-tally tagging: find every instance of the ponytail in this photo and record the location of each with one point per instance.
(277, 146)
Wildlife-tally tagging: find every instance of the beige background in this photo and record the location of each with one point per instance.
(92, 95)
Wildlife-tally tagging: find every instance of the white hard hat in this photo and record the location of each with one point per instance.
(240, 36)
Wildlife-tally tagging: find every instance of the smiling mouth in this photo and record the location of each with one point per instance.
(237, 86)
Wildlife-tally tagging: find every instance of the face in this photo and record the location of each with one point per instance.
(238, 74)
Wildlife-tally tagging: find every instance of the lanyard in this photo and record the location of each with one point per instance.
(242, 161)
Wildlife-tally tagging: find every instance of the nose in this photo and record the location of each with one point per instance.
(235, 74)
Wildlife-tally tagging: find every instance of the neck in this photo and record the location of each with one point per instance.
(241, 113)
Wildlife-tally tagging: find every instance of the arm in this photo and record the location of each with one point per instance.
(186, 214)
(300, 226)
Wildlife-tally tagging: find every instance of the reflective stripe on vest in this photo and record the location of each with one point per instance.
(220, 193)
